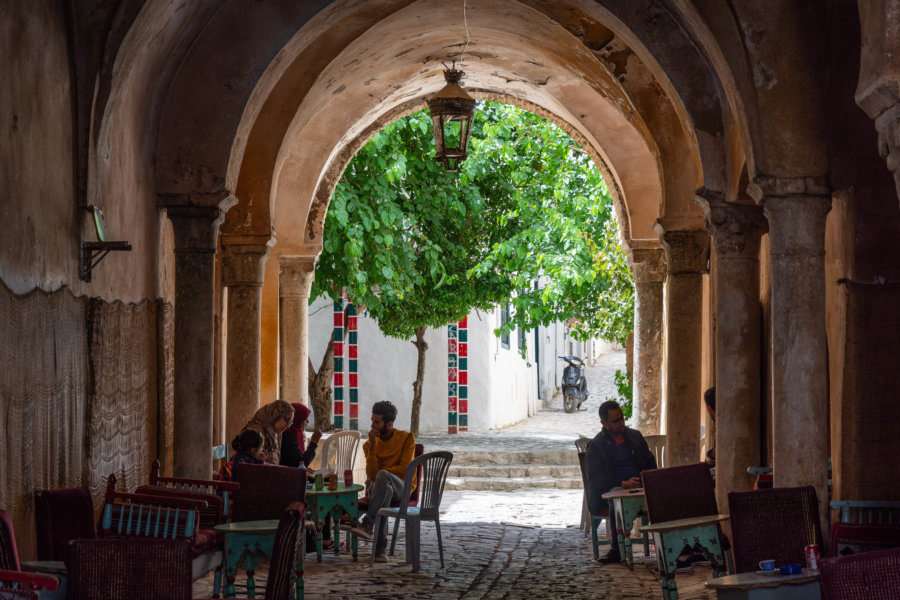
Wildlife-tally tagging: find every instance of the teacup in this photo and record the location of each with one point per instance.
(790, 569)
(767, 565)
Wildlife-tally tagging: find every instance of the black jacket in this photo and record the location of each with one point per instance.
(600, 469)
(290, 451)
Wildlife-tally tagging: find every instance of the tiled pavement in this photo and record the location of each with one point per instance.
(502, 545)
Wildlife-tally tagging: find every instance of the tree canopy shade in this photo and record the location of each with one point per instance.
(526, 220)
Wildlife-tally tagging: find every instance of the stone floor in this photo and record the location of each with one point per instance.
(503, 545)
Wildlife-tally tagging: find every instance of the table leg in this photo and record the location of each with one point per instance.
(231, 560)
(299, 568)
(620, 526)
(318, 540)
(336, 529)
(250, 561)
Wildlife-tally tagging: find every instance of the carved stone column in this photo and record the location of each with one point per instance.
(649, 266)
(195, 229)
(243, 266)
(687, 259)
(796, 210)
(736, 231)
(878, 89)
(295, 278)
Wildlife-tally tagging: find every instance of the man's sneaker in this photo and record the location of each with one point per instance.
(364, 530)
(612, 557)
(381, 557)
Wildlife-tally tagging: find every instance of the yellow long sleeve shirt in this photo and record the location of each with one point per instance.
(393, 455)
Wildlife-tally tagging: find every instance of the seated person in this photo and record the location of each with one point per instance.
(388, 452)
(614, 459)
(271, 420)
(295, 452)
(248, 445)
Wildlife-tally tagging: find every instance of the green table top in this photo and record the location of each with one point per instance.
(342, 488)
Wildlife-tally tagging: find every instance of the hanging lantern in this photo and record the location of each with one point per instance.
(451, 113)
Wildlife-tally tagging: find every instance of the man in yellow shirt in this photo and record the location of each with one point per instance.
(388, 452)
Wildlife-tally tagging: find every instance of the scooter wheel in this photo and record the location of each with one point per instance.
(569, 402)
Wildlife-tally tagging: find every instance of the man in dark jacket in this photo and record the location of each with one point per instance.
(614, 459)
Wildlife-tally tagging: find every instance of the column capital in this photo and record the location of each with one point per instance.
(244, 263)
(687, 250)
(888, 126)
(764, 188)
(648, 265)
(735, 229)
(296, 275)
(196, 228)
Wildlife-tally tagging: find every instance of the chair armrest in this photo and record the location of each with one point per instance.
(217, 484)
(160, 500)
(683, 523)
(37, 582)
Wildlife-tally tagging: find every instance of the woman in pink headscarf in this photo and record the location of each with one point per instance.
(295, 452)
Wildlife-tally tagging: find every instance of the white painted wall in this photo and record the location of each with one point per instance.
(502, 384)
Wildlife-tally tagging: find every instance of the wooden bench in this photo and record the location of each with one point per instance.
(864, 526)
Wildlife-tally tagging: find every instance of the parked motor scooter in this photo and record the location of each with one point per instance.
(574, 385)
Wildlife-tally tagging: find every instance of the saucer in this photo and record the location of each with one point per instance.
(772, 572)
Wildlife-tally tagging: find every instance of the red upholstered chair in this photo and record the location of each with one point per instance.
(164, 517)
(266, 491)
(14, 584)
(129, 568)
(864, 576)
(773, 523)
(60, 516)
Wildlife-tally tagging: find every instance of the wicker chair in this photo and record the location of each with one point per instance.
(593, 520)
(865, 576)
(60, 516)
(681, 505)
(129, 569)
(773, 523)
(14, 584)
(266, 490)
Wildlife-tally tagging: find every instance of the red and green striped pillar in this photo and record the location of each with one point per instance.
(339, 362)
(463, 374)
(452, 377)
(352, 358)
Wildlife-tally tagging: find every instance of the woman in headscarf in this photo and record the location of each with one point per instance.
(294, 450)
(271, 420)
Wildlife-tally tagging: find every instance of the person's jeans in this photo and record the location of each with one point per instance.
(612, 520)
(387, 489)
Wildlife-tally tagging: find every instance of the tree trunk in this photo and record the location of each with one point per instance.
(320, 390)
(422, 347)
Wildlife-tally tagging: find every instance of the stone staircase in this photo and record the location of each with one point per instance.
(510, 470)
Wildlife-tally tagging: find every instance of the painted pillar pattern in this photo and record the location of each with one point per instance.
(352, 357)
(462, 348)
(339, 363)
(452, 377)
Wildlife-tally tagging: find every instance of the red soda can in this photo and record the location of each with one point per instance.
(812, 556)
(332, 482)
(348, 477)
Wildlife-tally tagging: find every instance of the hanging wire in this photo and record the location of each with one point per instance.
(466, 25)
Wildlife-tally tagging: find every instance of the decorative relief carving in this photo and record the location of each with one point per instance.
(735, 228)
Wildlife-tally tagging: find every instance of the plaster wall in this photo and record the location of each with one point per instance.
(41, 227)
(502, 385)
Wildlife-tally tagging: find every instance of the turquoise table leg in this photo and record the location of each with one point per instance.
(299, 568)
(250, 560)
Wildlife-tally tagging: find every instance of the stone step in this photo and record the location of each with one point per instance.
(507, 471)
(508, 484)
(540, 457)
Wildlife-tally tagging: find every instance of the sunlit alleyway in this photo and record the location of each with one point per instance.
(504, 544)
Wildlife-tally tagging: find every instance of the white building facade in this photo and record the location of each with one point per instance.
(505, 385)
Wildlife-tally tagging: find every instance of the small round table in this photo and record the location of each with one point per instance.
(336, 503)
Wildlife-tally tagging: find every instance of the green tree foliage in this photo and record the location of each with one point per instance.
(420, 247)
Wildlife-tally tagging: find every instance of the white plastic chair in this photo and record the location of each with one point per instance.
(339, 452)
(435, 466)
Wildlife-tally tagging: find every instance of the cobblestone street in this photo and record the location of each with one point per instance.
(519, 544)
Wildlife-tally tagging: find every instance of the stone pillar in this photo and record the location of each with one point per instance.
(243, 266)
(878, 87)
(736, 231)
(796, 210)
(649, 268)
(195, 229)
(295, 278)
(687, 259)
